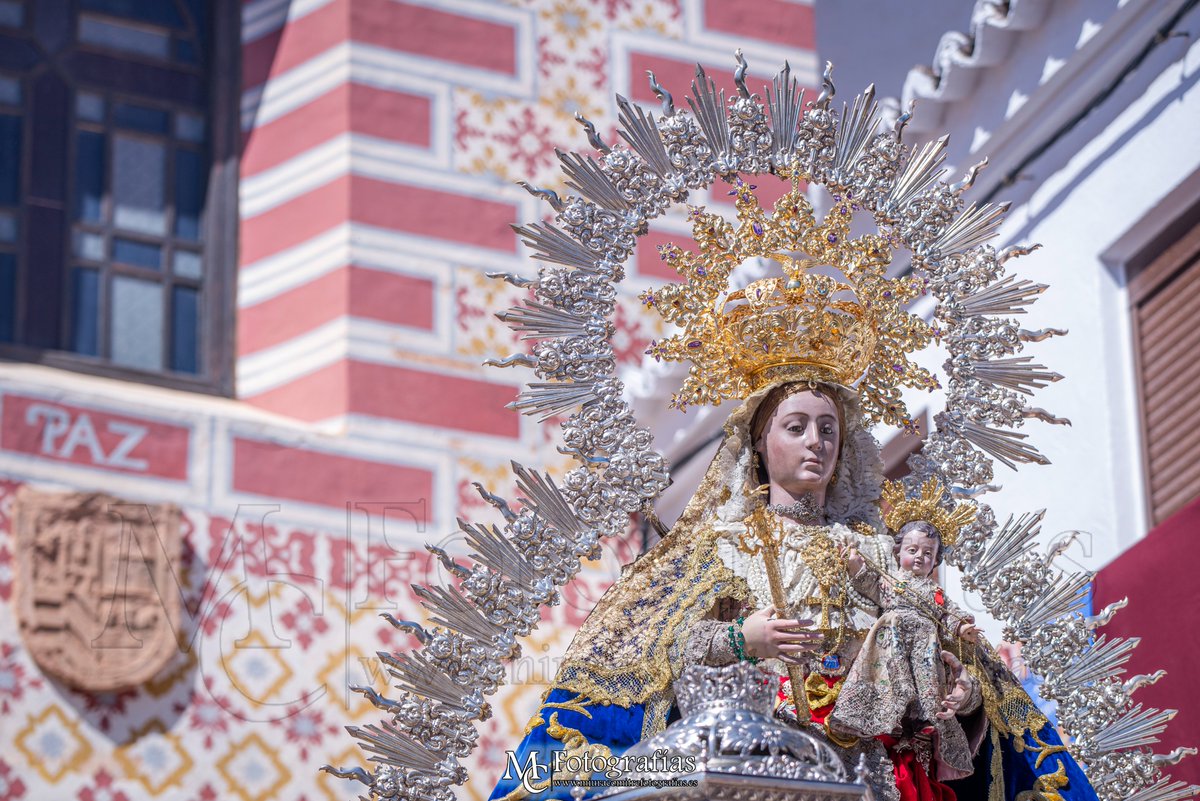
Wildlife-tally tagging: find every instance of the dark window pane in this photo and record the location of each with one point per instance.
(140, 118)
(139, 173)
(164, 83)
(49, 137)
(185, 51)
(89, 175)
(8, 296)
(10, 159)
(185, 323)
(190, 180)
(10, 90)
(136, 322)
(89, 106)
(189, 127)
(128, 38)
(43, 289)
(156, 12)
(11, 14)
(138, 254)
(188, 265)
(88, 245)
(199, 9)
(52, 20)
(85, 306)
(8, 230)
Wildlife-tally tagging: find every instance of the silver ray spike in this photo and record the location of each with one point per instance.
(969, 179)
(786, 103)
(668, 103)
(392, 747)
(641, 132)
(586, 177)
(515, 360)
(1105, 615)
(414, 674)
(492, 549)
(974, 492)
(903, 120)
(496, 502)
(407, 626)
(1010, 542)
(357, 774)
(447, 562)
(1018, 373)
(1060, 546)
(451, 610)
(739, 74)
(593, 138)
(1041, 334)
(549, 243)
(380, 702)
(547, 399)
(1015, 251)
(1060, 599)
(973, 227)
(518, 281)
(583, 457)
(1165, 790)
(1034, 413)
(1005, 446)
(1135, 683)
(538, 321)
(921, 172)
(854, 132)
(1135, 728)
(1007, 296)
(548, 501)
(548, 195)
(709, 107)
(1103, 659)
(1175, 757)
(828, 90)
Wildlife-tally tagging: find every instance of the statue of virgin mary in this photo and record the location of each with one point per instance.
(799, 452)
(755, 569)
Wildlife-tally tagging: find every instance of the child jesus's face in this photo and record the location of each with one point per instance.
(918, 553)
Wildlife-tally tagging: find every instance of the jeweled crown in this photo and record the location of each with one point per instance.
(929, 506)
(833, 316)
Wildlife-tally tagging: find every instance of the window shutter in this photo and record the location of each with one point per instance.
(1165, 296)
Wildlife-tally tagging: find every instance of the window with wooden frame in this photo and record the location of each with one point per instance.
(1164, 292)
(118, 173)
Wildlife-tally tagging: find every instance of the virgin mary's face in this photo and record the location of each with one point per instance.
(799, 445)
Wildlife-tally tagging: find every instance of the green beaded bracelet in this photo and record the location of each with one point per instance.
(737, 640)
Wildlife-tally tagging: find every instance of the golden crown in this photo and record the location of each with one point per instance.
(927, 506)
(804, 325)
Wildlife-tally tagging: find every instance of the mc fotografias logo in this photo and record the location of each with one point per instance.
(573, 769)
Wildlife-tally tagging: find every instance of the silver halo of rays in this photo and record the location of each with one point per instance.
(474, 625)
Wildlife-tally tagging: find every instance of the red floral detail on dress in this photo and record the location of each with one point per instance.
(939, 597)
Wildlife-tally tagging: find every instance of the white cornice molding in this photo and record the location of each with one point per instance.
(961, 56)
(1094, 66)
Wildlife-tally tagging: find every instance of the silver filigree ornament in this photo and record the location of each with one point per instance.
(474, 628)
(728, 733)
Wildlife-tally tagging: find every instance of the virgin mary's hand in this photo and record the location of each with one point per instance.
(769, 637)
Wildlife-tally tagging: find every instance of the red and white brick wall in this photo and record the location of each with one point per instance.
(382, 140)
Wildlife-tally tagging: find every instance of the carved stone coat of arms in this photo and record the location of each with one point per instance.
(97, 599)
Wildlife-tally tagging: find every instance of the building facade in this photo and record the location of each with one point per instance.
(243, 250)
